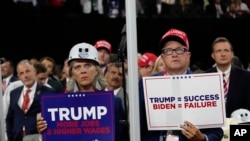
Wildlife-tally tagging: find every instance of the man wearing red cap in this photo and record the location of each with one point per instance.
(176, 56)
(104, 49)
(146, 64)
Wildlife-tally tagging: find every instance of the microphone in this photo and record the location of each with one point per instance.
(2, 60)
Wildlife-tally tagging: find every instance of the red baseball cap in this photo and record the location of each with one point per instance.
(103, 44)
(147, 59)
(175, 35)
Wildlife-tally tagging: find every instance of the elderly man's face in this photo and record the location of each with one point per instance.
(176, 61)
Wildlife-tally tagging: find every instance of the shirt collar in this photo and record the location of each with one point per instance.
(33, 88)
(7, 79)
(227, 72)
(115, 91)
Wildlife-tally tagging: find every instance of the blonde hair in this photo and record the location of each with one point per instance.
(156, 66)
(99, 83)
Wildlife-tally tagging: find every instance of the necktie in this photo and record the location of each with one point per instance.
(225, 84)
(26, 100)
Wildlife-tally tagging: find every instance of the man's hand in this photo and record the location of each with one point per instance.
(191, 132)
(41, 124)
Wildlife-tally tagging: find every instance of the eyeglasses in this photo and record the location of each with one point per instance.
(169, 51)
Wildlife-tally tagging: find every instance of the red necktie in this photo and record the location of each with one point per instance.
(26, 100)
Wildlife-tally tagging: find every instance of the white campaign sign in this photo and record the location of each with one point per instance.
(170, 100)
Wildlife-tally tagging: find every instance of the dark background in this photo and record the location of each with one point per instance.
(23, 37)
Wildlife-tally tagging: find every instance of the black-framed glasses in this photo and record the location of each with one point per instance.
(169, 51)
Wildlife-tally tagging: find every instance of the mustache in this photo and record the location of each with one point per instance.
(115, 79)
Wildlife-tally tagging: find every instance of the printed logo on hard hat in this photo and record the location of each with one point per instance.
(84, 54)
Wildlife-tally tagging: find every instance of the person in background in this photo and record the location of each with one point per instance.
(52, 80)
(34, 60)
(159, 65)
(114, 77)
(241, 7)
(104, 49)
(41, 76)
(216, 9)
(236, 80)
(8, 75)
(87, 76)
(237, 62)
(50, 64)
(232, 11)
(146, 64)
(174, 45)
(24, 103)
(196, 67)
(65, 79)
(58, 71)
(115, 80)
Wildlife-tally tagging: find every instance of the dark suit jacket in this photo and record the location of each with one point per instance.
(125, 129)
(119, 116)
(213, 134)
(121, 95)
(56, 85)
(16, 119)
(238, 95)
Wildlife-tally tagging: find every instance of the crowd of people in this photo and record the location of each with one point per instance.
(90, 68)
(145, 8)
(40, 76)
(94, 67)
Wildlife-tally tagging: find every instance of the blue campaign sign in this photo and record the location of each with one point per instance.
(79, 116)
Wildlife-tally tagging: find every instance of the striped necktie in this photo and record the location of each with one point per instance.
(225, 84)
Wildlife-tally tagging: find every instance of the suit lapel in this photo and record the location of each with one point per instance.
(119, 93)
(36, 99)
(16, 95)
(232, 78)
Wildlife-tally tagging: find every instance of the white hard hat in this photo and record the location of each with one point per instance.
(241, 115)
(83, 51)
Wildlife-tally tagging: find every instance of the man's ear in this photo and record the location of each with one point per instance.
(212, 55)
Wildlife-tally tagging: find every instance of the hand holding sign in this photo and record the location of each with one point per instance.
(170, 100)
(191, 131)
(77, 116)
(41, 123)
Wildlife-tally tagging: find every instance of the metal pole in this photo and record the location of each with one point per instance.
(2, 121)
(133, 91)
